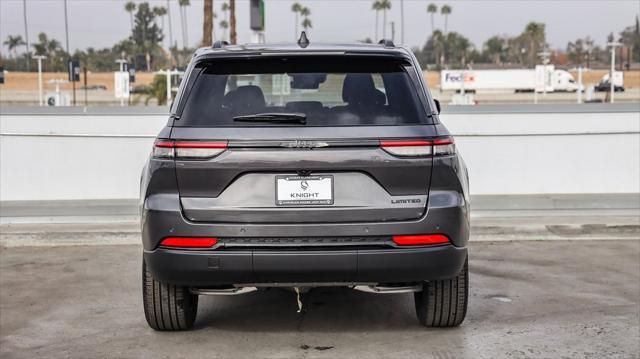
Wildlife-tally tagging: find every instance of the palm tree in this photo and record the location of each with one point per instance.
(376, 6)
(439, 46)
(306, 22)
(12, 43)
(233, 36)
(160, 12)
(40, 47)
(446, 11)
(494, 49)
(130, 7)
(26, 35)
(224, 24)
(432, 9)
(46, 47)
(535, 33)
(183, 19)
(305, 11)
(384, 6)
(53, 46)
(207, 23)
(296, 7)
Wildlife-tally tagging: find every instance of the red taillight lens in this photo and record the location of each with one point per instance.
(188, 149)
(402, 143)
(407, 148)
(189, 242)
(420, 239)
(199, 149)
(419, 148)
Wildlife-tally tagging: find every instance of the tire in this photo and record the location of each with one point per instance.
(443, 303)
(167, 307)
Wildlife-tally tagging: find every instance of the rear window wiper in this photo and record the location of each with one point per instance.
(274, 117)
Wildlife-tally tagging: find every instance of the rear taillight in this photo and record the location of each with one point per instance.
(419, 148)
(444, 146)
(420, 239)
(189, 242)
(163, 149)
(188, 149)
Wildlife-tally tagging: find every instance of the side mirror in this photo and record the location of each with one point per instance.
(437, 105)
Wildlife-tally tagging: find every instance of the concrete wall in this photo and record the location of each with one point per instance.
(71, 154)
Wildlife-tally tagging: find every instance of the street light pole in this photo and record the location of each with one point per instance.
(121, 62)
(66, 27)
(579, 91)
(401, 23)
(613, 46)
(26, 34)
(40, 98)
(545, 61)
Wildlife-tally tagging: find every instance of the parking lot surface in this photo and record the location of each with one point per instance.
(529, 299)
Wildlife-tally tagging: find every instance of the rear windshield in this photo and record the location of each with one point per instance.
(322, 91)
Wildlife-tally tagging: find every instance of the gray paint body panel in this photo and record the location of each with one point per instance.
(232, 196)
(357, 198)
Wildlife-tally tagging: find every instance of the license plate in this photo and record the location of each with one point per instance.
(304, 190)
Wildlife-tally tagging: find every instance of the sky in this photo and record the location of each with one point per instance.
(102, 23)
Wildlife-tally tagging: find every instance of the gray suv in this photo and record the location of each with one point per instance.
(300, 166)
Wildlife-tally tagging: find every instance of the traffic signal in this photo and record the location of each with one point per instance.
(1, 74)
(256, 12)
(132, 73)
(74, 70)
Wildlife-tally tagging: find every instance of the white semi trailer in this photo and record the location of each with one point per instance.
(512, 80)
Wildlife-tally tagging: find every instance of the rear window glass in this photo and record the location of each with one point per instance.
(323, 91)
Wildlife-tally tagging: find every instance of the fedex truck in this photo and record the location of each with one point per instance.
(512, 80)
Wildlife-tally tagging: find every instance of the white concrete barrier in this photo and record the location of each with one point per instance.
(76, 154)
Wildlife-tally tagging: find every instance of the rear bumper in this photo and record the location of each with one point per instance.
(447, 213)
(207, 268)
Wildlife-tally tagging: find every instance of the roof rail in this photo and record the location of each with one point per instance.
(219, 44)
(386, 43)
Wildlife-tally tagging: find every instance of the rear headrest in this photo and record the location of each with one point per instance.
(243, 97)
(357, 87)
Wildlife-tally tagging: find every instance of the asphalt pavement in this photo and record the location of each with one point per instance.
(528, 299)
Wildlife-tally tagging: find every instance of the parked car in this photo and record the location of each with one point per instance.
(299, 166)
(606, 87)
(94, 87)
(605, 84)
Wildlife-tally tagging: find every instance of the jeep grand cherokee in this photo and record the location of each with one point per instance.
(304, 165)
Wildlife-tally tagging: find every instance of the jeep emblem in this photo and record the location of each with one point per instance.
(304, 144)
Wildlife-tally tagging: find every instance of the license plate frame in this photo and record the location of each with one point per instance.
(319, 182)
